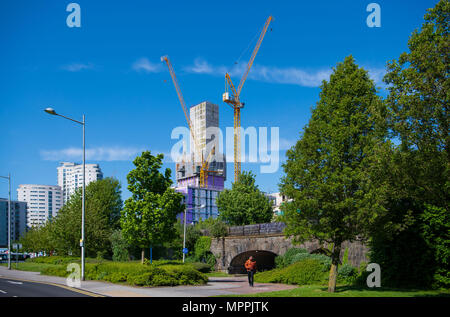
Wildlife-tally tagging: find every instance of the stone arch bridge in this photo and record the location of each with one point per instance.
(264, 242)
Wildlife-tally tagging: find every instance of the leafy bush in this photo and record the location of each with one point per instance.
(323, 259)
(116, 277)
(160, 273)
(202, 251)
(305, 272)
(347, 274)
(202, 247)
(56, 260)
(286, 259)
(57, 270)
(201, 267)
(119, 247)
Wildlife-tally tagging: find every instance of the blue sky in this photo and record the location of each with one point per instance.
(110, 70)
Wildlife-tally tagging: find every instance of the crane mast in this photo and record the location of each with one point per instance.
(234, 101)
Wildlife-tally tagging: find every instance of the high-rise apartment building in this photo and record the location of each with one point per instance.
(201, 202)
(18, 220)
(43, 202)
(70, 177)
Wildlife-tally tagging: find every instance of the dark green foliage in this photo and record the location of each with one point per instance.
(176, 245)
(202, 251)
(201, 267)
(119, 247)
(436, 233)
(244, 204)
(347, 274)
(411, 243)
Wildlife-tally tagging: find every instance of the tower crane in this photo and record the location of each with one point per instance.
(203, 182)
(234, 101)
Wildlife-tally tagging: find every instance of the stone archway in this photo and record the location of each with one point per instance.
(265, 260)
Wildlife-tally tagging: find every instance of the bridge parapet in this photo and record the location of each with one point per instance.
(257, 229)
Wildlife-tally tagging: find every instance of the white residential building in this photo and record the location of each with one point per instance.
(70, 177)
(277, 199)
(43, 202)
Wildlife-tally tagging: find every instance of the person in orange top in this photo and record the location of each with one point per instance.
(250, 265)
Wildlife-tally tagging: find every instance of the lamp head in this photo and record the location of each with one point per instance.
(50, 111)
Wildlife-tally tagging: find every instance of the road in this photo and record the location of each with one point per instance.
(217, 286)
(21, 288)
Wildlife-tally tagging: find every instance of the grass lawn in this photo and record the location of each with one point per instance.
(350, 291)
(28, 266)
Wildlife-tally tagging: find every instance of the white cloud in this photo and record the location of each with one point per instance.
(106, 154)
(76, 67)
(272, 74)
(92, 154)
(286, 144)
(143, 64)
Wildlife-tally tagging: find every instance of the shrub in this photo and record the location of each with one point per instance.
(305, 272)
(286, 259)
(116, 277)
(119, 247)
(323, 259)
(56, 260)
(218, 229)
(160, 273)
(202, 247)
(201, 267)
(347, 274)
(57, 270)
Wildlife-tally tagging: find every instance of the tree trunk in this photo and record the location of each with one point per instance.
(334, 267)
(142, 255)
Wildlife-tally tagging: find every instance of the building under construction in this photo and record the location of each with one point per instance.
(200, 199)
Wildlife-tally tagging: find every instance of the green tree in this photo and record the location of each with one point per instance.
(38, 239)
(150, 213)
(334, 197)
(176, 245)
(119, 247)
(418, 177)
(244, 204)
(103, 205)
(215, 227)
(418, 104)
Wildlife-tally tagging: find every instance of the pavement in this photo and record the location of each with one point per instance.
(216, 286)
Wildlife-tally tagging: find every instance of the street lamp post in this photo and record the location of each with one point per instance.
(9, 219)
(184, 230)
(83, 204)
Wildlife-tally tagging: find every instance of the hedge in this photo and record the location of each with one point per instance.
(162, 273)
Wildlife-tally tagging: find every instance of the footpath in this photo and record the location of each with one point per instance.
(216, 286)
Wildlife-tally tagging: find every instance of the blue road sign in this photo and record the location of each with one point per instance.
(185, 250)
